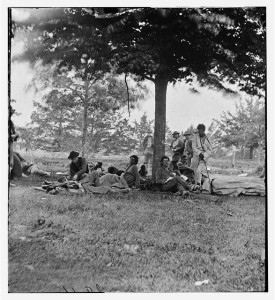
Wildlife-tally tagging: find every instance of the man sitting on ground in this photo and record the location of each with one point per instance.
(131, 174)
(78, 167)
(167, 180)
(143, 173)
(112, 170)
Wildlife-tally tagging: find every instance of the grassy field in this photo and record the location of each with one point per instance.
(141, 242)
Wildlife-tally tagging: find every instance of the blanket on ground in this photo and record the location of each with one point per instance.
(234, 187)
(108, 183)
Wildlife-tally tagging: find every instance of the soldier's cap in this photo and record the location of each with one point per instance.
(175, 132)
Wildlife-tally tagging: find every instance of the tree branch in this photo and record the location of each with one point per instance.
(127, 94)
(149, 78)
(79, 95)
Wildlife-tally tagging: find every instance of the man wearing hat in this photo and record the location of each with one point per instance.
(177, 145)
(78, 167)
(188, 151)
(202, 149)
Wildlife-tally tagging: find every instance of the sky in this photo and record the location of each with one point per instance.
(183, 107)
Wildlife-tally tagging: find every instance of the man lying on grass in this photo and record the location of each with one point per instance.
(129, 178)
(168, 180)
(28, 168)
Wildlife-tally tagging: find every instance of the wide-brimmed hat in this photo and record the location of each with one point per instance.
(73, 154)
(188, 133)
(175, 132)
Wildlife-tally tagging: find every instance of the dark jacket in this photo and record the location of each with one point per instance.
(173, 166)
(162, 174)
(188, 148)
(78, 168)
(11, 131)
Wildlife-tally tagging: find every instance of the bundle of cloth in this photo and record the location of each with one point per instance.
(93, 184)
(62, 184)
(233, 187)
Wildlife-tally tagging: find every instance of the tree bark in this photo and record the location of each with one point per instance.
(251, 151)
(234, 159)
(160, 122)
(259, 155)
(85, 122)
(60, 130)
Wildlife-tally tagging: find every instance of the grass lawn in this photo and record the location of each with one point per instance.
(141, 242)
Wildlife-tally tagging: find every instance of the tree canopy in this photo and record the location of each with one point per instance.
(217, 45)
(223, 48)
(244, 128)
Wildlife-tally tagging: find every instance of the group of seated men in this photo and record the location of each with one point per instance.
(168, 175)
(80, 170)
(191, 154)
(166, 179)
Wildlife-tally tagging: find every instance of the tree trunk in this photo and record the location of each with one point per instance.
(259, 155)
(251, 151)
(160, 122)
(85, 121)
(234, 159)
(60, 131)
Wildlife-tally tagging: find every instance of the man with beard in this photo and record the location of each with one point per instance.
(202, 149)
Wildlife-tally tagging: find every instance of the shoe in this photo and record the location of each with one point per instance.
(185, 194)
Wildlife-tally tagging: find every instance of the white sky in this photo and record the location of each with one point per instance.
(183, 107)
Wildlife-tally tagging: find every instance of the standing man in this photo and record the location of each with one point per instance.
(148, 146)
(78, 167)
(188, 151)
(202, 149)
(13, 136)
(177, 145)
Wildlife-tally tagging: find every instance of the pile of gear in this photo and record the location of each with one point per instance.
(62, 184)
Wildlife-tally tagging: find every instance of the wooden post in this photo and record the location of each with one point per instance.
(233, 156)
